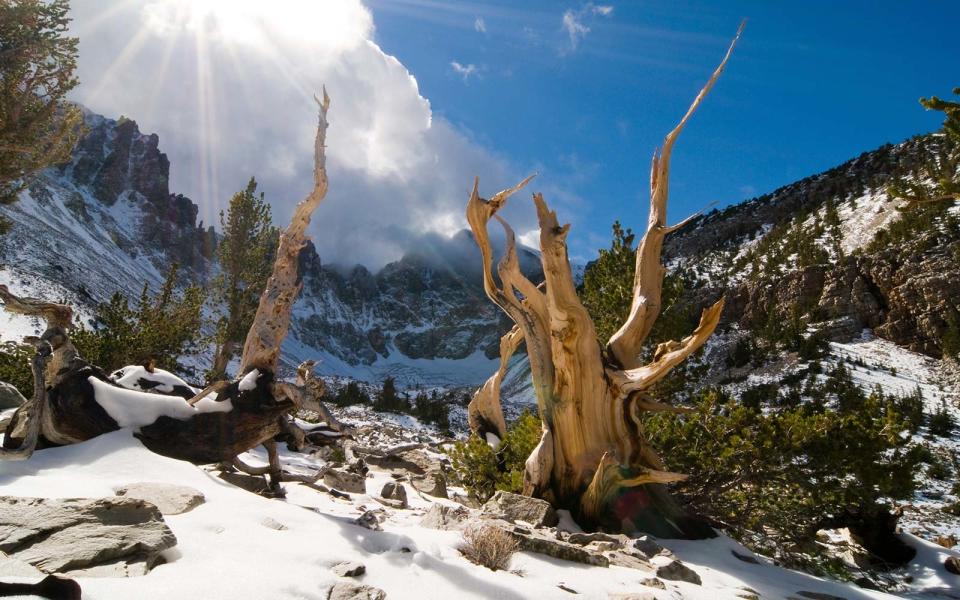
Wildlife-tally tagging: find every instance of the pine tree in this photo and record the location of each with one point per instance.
(158, 331)
(607, 288)
(38, 128)
(246, 259)
(939, 177)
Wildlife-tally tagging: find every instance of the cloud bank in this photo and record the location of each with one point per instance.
(230, 92)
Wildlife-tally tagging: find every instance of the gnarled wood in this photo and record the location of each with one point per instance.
(484, 413)
(593, 457)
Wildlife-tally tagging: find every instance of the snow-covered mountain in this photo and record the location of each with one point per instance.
(107, 222)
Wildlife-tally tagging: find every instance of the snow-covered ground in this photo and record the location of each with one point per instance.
(231, 547)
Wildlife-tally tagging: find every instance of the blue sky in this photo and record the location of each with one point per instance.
(429, 93)
(810, 85)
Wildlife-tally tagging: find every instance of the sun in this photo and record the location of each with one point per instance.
(334, 23)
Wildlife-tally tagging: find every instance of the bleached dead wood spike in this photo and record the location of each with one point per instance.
(626, 343)
(262, 346)
(34, 409)
(55, 315)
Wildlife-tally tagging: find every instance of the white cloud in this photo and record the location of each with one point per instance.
(574, 21)
(480, 25)
(229, 91)
(465, 71)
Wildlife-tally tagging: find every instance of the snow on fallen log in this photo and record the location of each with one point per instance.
(130, 408)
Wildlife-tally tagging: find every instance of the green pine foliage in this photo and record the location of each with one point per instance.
(938, 180)
(160, 330)
(776, 476)
(15, 367)
(38, 128)
(941, 423)
(482, 470)
(389, 400)
(349, 395)
(432, 408)
(246, 255)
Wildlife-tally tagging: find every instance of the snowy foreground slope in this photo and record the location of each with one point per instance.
(239, 545)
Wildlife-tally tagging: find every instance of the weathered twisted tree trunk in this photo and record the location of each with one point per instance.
(65, 408)
(593, 457)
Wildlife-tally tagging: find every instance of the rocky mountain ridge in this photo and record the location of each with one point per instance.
(107, 221)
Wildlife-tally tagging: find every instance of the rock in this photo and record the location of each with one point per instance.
(426, 472)
(438, 488)
(583, 539)
(273, 524)
(654, 583)
(169, 498)
(10, 397)
(677, 571)
(393, 490)
(445, 517)
(121, 568)
(352, 591)
(745, 557)
(650, 548)
(819, 596)
(348, 569)
(514, 507)
(624, 559)
(952, 565)
(74, 534)
(541, 543)
(251, 483)
(346, 481)
(370, 520)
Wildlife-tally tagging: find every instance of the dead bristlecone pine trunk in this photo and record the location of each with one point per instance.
(65, 407)
(593, 457)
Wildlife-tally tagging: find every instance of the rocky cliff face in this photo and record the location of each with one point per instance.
(907, 292)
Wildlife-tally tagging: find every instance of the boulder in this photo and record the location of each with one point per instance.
(348, 569)
(10, 397)
(649, 547)
(352, 591)
(170, 499)
(584, 539)
(345, 481)
(677, 571)
(113, 536)
(395, 491)
(538, 541)
(371, 520)
(445, 517)
(514, 507)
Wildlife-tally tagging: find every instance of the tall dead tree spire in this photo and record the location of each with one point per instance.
(593, 456)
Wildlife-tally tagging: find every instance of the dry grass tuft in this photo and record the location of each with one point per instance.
(488, 545)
